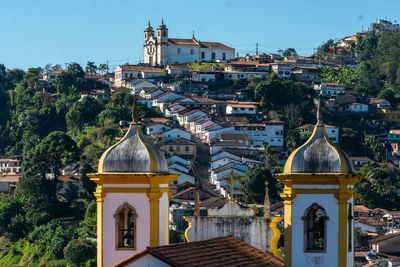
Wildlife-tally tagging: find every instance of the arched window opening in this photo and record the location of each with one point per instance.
(164, 33)
(315, 220)
(125, 222)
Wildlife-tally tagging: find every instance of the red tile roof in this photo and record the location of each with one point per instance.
(234, 137)
(180, 141)
(221, 251)
(194, 42)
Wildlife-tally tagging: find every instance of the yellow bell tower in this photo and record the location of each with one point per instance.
(318, 199)
(132, 197)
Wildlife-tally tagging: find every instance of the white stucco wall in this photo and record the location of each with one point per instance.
(164, 223)
(300, 205)
(112, 201)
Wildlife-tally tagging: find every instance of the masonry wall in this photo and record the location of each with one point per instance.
(252, 230)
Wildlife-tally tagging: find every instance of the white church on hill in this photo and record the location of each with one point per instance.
(159, 50)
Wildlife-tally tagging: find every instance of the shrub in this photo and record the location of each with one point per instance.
(78, 252)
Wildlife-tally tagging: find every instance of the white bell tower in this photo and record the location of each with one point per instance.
(162, 44)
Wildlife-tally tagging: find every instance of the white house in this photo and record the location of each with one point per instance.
(184, 118)
(184, 177)
(138, 84)
(243, 75)
(159, 50)
(176, 133)
(330, 88)
(270, 132)
(179, 160)
(282, 69)
(52, 75)
(223, 161)
(241, 108)
(224, 154)
(178, 167)
(331, 131)
(215, 148)
(150, 92)
(357, 107)
(204, 76)
(176, 69)
(156, 128)
(131, 72)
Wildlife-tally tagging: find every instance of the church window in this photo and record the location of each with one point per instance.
(179, 51)
(315, 220)
(164, 33)
(125, 222)
(223, 56)
(192, 51)
(213, 56)
(202, 55)
(126, 75)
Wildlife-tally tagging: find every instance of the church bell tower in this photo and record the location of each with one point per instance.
(132, 197)
(162, 44)
(318, 199)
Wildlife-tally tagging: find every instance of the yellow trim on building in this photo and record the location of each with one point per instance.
(187, 229)
(275, 238)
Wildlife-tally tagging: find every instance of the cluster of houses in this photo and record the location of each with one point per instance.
(378, 236)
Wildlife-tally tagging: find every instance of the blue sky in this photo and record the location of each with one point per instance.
(34, 33)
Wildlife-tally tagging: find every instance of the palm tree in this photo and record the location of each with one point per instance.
(91, 67)
(269, 154)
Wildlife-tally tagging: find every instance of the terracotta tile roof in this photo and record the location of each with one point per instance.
(221, 251)
(155, 120)
(69, 178)
(9, 178)
(230, 143)
(213, 202)
(361, 159)
(211, 126)
(180, 141)
(305, 67)
(361, 208)
(56, 72)
(177, 67)
(215, 45)
(394, 131)
(139, 68)
(192, 111)
(234, 137)
(375, 101)
(205, 100)
(239, 105)
(336, 84)
(182, 41)
(250, 124)
(382, 238)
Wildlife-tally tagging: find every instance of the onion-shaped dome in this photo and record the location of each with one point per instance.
(149, 28)
(318, 155)
(133, 154)
(162, 25)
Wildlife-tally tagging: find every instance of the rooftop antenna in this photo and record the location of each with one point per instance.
(134, 110)
(319, 113)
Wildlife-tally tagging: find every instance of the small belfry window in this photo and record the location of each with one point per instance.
(315, 220)
(125, 222)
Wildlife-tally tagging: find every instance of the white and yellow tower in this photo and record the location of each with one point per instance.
(318, 199)
(132, 197)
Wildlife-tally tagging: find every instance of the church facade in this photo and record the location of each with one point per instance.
(159, 49)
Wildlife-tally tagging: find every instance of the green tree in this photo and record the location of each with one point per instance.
(79, 252)
(53, 153)
(380, 188)
(83, 113)
(253, 186)
(91, 67)
(290, 52)
(269, 155)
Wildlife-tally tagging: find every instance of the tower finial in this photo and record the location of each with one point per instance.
(149, 23)
(134, 110)
(162, 20)
(319, 112)
(193, 34)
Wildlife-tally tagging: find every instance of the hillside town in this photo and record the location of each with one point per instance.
(212, 117)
